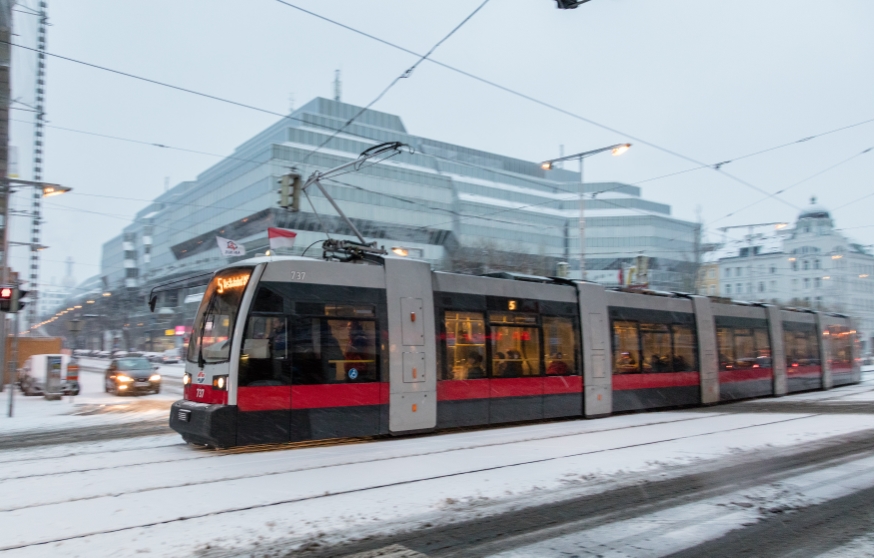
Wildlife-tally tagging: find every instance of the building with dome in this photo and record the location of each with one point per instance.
(810, 264)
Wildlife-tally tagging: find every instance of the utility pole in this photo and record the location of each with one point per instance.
(5, 101)
(36, 212)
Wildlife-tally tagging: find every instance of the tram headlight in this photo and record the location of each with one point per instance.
(220, 383)
(186, 379)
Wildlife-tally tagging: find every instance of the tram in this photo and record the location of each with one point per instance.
(287, 349)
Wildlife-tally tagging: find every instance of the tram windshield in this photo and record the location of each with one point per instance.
(211, 336)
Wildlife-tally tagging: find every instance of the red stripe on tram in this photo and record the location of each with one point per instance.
(319, 396)
(264, 398)
(515, 387)
(808, 371)
(203, 393)
(745, 375)
(623, 382)
(455, 390)
(562, 384)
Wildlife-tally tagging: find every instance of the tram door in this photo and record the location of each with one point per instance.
(264, 380)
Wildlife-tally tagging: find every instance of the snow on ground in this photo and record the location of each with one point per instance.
(672, 530)
(92, 407)
(240, 499)
(155, 495)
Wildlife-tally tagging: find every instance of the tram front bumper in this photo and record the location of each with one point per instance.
(203, 423)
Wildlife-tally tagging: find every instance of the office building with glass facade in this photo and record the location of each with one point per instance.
(458, 208)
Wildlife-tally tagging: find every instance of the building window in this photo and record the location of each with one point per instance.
(728, 288)
(794, 266)
(738, 271)
(762, 287)
(806, 283)
(817, 282)
(773, 286)
(712, 289)
(740, 288)
(815, 264)
(795, 284)
(711, 273)
(805, 265)
(773, 270)
(728, 272)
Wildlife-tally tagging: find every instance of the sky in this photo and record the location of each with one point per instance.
(687, 82)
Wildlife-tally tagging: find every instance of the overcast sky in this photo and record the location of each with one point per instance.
(707, 80)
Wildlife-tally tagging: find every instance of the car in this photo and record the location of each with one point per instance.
(131, 376)
(154, 357)
(102, 354)
(172, 356)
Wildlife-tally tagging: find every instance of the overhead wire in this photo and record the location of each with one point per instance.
(404, 75)
(274, 113)
(430, 155)
(542, 103)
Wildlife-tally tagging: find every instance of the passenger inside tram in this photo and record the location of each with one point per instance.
(500, 364)
(514, 363)
(474, 369)
(557, 365)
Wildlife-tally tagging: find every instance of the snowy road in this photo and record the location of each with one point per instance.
(789, 476)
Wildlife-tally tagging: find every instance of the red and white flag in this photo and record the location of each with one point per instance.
(281, 238)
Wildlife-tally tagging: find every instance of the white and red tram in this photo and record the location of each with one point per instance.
(288, 349)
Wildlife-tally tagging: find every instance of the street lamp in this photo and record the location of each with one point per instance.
(617, 149)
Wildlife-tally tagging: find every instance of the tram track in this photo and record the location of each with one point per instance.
(496, 533)
(29, 439)
(810, 531)
(401, 455)
(783, 407)
(809, 456)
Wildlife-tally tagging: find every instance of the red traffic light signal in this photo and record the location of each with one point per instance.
(9, 298)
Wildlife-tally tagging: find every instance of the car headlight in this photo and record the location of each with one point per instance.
(155, 378)
(123, 378)
(186, 379)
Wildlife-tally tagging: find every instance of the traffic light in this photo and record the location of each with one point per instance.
(10, 296)
(289, 192)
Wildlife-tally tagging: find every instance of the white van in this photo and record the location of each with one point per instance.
(59, 372)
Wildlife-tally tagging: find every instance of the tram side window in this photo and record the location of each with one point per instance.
(684, 349)
(329, 351)
(560, 344)
(656, 341)
(801, 348)
(652, 348)
(515, 348)
(743, 347)
(841, 345)
(725, 346)
(267, 301)
(465, 346)
(264, 355)
(626, 348)
(763, 347)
